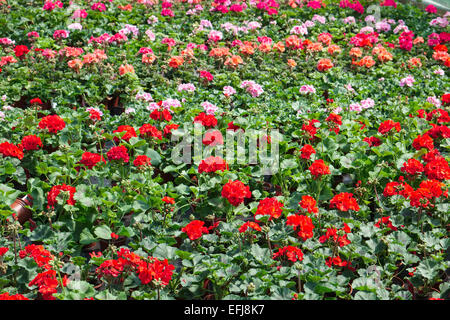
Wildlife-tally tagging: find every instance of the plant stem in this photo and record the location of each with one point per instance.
(299, 282)
(15, 251)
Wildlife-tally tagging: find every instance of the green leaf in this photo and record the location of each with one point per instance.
(362, 295)
(42, 232)
(154, 156)
(427, 269)
(103, 232)
(80, 197)
(262, 255)
(163, 251)
(86, 237)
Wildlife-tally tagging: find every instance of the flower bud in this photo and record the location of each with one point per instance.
(298, 266)
(251, 287)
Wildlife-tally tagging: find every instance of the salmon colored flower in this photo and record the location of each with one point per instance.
(293, 42)
(75, 64)
(126, 68)
(324, 64)
(291, 63)
(334, 49)
(234, 61)
(176, 61)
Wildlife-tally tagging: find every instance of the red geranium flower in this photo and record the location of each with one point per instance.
(333, 233)
(440, 115)
(206, 120)
(35, 101)
(157, 115)
(292, 253)
(129, 133)
(155, 270)
(423, 141)
(335, 121)
(112, 268)
(372, 141)
(6, 296)
(386, 127)
(306, 151)
(445, 98)
(195, 229)
(47, 283)
(54, 192)
(385, 221)
(337, 261)
(10, 150)
(232, 126)
(168, 200)
(431, 156)
(438, 132)
(310, 129)
(142, 160)
(235, 192)
(249, 225)
(31, 142)
(168, 128)
(318, 168)
(40, 255)
(437, 169)
(212, 164)
(118, 153)
(421, 198)
(3, 250)
(90, 159)
(271, 207)
(53, 123)
(435, 187)
(344, 201)
(213, 138)
(149, 131)
(309, 203)
(21, 50)
(412, 167)
(303, 224)
(95, 115)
